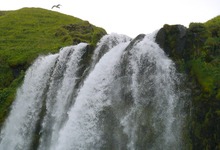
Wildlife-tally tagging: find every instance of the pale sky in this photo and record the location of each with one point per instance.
(129, 17)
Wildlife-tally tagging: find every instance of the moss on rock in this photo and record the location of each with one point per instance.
(197, 53)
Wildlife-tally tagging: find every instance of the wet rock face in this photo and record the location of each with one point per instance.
(172, 39)
(192, 49)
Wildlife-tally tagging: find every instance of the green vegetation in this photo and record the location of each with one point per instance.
(205, 69)
(196, 51)
(29, 32)
(205, 55)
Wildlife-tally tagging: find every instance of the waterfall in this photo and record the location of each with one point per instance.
(124, 94)
(20, 125)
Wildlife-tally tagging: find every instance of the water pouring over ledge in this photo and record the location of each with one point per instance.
(125, 97)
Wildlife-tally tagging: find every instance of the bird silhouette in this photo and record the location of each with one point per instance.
(57, 6)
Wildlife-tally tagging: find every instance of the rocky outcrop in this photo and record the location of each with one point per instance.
(195, 51)
(172, 39)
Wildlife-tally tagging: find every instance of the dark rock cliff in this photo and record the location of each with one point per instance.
(199, 59)
(172, 39)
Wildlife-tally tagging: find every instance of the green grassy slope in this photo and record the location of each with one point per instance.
(29, 32)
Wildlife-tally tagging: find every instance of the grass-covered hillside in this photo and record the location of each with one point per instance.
(29, 32)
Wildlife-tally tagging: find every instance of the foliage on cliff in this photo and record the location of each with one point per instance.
(29, 32)
(196, 50)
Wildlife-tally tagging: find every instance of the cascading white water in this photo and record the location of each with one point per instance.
(83, 117)
(153, 91)
(20, 126)
(105, 44)
(59, 96)
(128, 100)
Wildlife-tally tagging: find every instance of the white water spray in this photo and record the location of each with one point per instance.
(126, 101)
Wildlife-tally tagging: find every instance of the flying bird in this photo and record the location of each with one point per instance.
(57, 6)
